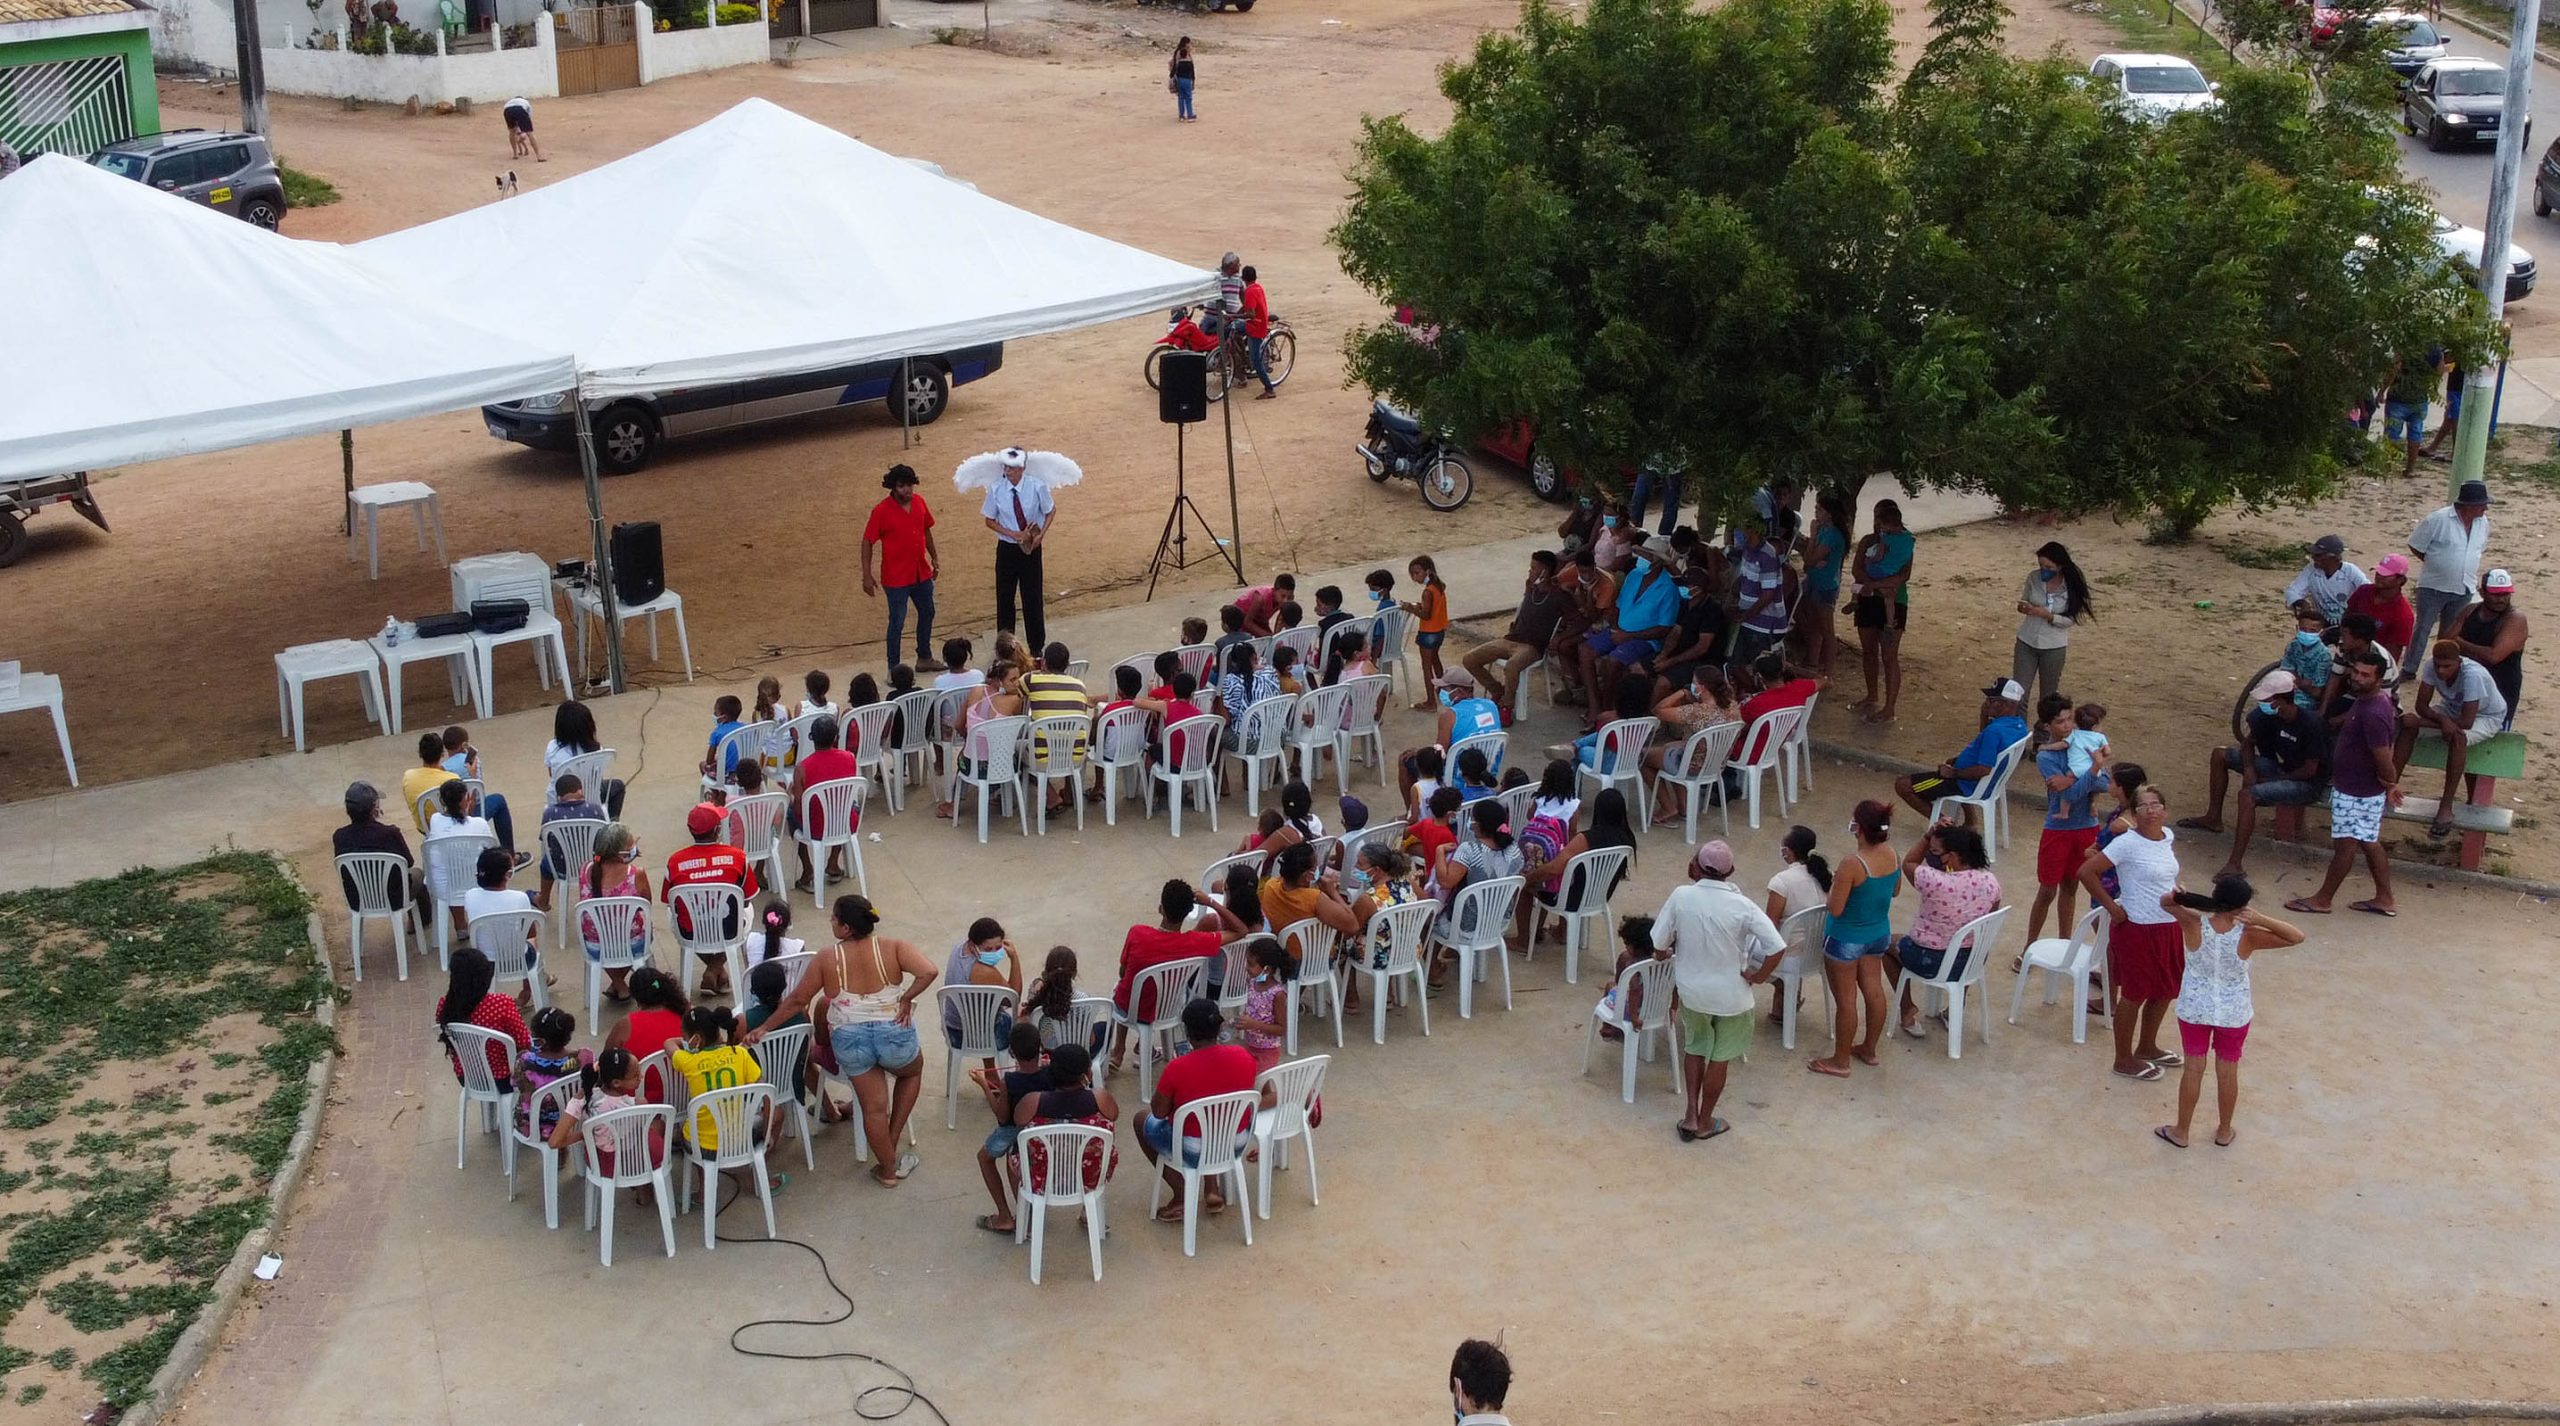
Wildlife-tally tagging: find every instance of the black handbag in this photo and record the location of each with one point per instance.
(439, 626)
(499, 616)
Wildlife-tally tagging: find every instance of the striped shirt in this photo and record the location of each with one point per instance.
(1762, 574)
(1054, 695)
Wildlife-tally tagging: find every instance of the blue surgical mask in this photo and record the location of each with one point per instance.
(2043, 573)
(1262, 977)
(1380, 598)
(2305, 637)
(991, 958)
(1609, 520)
(1446, 701)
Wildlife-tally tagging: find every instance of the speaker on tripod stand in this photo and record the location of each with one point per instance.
(1182, 388)
(1182, 398)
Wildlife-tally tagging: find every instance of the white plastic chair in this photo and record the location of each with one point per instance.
(571, 843)
(1620, 751)
(979, 1007)
(626, 1134)
(1213, 880)
(780, 1054)
(1196, 659)
(915, 737)
(948, 706)
(712, 908)
(1800, 747)
(1401, 930)
(1650, 980)
(836, 806)
(746, 741)
(733, 1114)
(374, 875)
(1145, 664)
(524, 1131)
(1218, 1123)
(1388, 649)
(1991, 795)
(994, 767)
(1315, 945)
(472, 1047)
(512, 940)
(1194, 770)
(621, 939)
(797, 732)
(431, 801)
(1300, 640)
(1369, 695)
(1086, 1014)
(1332, 639)
(1169, 987)
(1519, 673)
(2081, 958)
(1234, 977)
(1294, 1085)
(1063, 1186)
(1475, 926)
(1696, 765)
(867, 733)
(1387, 833)
(1119, 745)
(1316, 728)
(1799, 962)
(1582, 899)
(452, 863)
(1769, 733)
(756, 826)
(1962, 969)
(1494, 745)
(1261, 746)
(1057, 754)
(590, 769)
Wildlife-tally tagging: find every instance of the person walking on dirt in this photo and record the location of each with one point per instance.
(901, 530)
(518, 113)
(1257, 332)
(1179, 76)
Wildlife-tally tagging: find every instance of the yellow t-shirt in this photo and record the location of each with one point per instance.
(720, 1067)
(416, 782)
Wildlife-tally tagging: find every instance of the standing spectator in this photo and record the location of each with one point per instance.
(709, 861)
(1719, 945)
(2364, 778)
(2395, 621)
(1962, 774)
(1007, 1090)
(2407, 391)
(1880, 605)
(2326, 579)
(2070, 822)
(1656, 475)
(2055, 598)
(1825, 549)
(1479, 1378)
(901, 531)
(367, 832)
(1179, 75)
(869, 985)
(1022, 513)
(1856, 937)
(2492, 634)
(1257, 333)
(1760, 588)
(2283, 761)
(2215, 1007)
(2457, 699)
(1430, 611)
(2451, 541)
(2144, 955)
(1533, 627)
(1206, 1071)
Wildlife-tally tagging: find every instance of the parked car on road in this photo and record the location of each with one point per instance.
(2152, 85)
(2546, 181)
(2410, 41)
(2463, 245)
(630, 429)
(2454, 101)
(228, 172)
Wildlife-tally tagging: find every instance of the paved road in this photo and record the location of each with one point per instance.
(2460, 177)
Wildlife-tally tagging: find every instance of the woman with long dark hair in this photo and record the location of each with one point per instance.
(2056, 597)
(469, 1001)
(869, 985)
(1857, 936)
(1826, 549)
(573, 731)
(1880, 605)
(1180, 73)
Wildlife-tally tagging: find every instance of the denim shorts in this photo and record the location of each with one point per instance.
(1924, 961)
(1432, 640)
(1158, 1133)
(1001, 1139)
(1850, 952)
(877, 1044)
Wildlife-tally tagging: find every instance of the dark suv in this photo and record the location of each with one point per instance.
(228, 172)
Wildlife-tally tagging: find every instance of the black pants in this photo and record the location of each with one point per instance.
(1018, 571)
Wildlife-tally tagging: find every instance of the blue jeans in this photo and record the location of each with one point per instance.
(501, 821)
(1261, 366)
(1182, 99)
(1647, 482)
(899, 596)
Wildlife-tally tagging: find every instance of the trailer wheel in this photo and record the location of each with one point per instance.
(13, 539)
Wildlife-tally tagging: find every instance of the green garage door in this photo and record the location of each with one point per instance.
(67, 106)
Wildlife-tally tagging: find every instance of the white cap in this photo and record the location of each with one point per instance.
(2007, 688)
(1014, 456)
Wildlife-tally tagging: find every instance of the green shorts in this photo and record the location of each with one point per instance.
(1715, 1038)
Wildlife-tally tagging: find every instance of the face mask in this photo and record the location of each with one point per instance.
(2305, 637)
(1446, 701)
(2043, 573)
(991, 958)
(1609, 520)
(1262, 977)
(1379, 598)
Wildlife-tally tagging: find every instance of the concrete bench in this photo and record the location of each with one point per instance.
(2481, 817)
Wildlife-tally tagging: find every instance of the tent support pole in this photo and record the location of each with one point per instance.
(603, 553)
(906, 412)
(347, 477)
(1235, 521)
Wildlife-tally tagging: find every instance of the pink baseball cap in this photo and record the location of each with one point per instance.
(2390, 565)
(1716, 857)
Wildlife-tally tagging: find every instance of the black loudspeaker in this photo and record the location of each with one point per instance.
(1182, 395)
(639, 563)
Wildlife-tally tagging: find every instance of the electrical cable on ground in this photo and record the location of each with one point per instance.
(870, 1403)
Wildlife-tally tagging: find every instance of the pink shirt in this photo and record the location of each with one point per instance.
(1949, 899)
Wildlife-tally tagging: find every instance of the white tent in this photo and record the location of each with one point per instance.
(142, 326)
(763, 243)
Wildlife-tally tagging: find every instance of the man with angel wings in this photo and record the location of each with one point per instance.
(1021, 507)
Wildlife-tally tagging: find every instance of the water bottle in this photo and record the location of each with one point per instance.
(390, 632)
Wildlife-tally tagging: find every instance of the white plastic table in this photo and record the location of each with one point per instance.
(43, 690)
(365, 505)
(585, 604)
(332, 658)
(454, 649)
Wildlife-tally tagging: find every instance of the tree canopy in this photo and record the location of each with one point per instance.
(1733, 241)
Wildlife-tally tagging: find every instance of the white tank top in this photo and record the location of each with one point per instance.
(851, 1007)
(2216, 988)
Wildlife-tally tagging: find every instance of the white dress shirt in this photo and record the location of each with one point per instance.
(1037, 506)
(1711, 927)
(2452, 554)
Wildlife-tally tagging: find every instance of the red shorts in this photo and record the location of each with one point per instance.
(2059, 853)
(2146, 961)
(2223, 1040)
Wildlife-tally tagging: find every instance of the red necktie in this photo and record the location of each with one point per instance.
(1021, 521)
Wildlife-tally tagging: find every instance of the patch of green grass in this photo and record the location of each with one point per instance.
(2155, 26)
(306, 190)
(2261, 554)
(2537, 461)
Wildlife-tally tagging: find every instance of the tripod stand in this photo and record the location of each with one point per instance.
(1176, 535)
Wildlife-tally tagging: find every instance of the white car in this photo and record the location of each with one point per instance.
(2153, 85)
(2464, 245)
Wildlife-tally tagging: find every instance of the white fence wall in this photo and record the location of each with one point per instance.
(485, 77)
(664, 56)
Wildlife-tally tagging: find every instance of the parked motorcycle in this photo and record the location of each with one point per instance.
(1397, 446)
(1229, 365)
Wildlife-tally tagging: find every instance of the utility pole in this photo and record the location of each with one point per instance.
(253, 67)
(2471, 438)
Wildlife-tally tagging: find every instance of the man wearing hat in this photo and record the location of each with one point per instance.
(2452, 541)
(1720, 944)
(2326, 579)
(901, 531)
(1961, 774)
(2283, 761)
(709, 861)
(2395, 621)
(365, 831)
(1020, 512)
(2492, 633)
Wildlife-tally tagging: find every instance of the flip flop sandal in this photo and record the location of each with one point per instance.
(2168, 1060)
(1687, 1134)
(2370, 909)
(2439, 829)
(1819, 1067)
(2162, 1134)
(1714, 1128)
(2220, 1142)
(908, 1163)
(987, 1221)
(2302, 906)
(2149, 1071)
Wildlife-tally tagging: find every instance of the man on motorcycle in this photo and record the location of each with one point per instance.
(1215, 317)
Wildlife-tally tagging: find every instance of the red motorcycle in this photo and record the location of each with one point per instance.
(1230, 363)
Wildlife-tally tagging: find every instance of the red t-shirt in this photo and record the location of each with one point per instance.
(900, 532)
(700, 864)
(1154, 946)
(494, 1012)
(1790, 694)
(1432, 836)
(827, 765)
(1175, 710)
(650, 1029)
(1260, 604)
(1257, 311)
(2394, 624)
(1207, 1072)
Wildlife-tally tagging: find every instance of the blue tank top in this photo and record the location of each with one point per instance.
(1869, 917)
